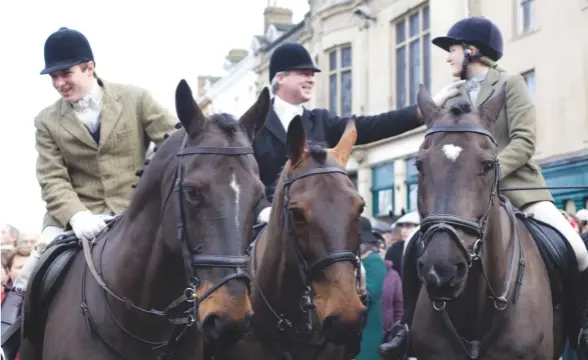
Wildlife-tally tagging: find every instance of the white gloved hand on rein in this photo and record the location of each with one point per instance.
(447, 92)
(87, 225)
(264, 215)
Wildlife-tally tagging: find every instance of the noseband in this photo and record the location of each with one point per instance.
(193, 258)
(449, 222)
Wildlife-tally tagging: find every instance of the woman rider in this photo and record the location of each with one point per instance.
(474, 45)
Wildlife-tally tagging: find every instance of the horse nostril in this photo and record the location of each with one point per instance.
(461, 270)
(248, 321)
(213, 327)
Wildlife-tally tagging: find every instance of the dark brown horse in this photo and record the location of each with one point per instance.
(178, 249)
(305, 299)
(486, 289)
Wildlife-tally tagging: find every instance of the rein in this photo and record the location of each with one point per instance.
(450, 223)
(193, 259)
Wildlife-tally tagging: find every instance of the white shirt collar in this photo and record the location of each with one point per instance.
(286, 111)
(92, 100)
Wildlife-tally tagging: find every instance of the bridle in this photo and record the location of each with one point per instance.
(193, 259)
(433, 223)
(307, 271)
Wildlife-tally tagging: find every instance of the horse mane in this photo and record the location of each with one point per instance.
(459, 109)
(226, 122)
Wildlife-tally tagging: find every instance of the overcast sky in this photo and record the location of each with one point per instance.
(152, 44)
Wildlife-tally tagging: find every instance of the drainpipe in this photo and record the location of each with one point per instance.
(467, 8)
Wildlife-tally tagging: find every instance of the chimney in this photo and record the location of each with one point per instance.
(276, 15)
(236, 55)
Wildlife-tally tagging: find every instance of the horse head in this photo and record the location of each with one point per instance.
(457, 192)
(208, 213)
(319, 207)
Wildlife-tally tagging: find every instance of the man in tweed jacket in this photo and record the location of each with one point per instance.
(90, 143)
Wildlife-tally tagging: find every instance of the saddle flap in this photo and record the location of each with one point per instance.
(45, 280)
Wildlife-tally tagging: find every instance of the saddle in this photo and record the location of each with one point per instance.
(564, 279)
(53, 265)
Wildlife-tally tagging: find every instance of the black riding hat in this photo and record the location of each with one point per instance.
(64, 49)
(477, 31)
(366, 235)
(290, 56)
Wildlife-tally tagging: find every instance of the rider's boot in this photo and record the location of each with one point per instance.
(398, 346)
(11, 309)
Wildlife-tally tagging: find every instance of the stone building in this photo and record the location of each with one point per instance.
(373, 54)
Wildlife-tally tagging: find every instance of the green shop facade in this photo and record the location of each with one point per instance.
(571, 171)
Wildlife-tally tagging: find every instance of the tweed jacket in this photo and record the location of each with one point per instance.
(77, 173)
(515, 134)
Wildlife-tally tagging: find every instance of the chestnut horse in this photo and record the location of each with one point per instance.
(486, 290)
(304, 264)
(178, 248)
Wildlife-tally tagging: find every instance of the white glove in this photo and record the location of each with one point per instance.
(264, 215)
(87, 225)
(447, 92)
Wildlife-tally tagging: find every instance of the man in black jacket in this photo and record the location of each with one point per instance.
(291, 73)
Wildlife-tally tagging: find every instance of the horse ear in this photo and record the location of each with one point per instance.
(296, 141)
(254, 118)
(187, 109)
(346, 143)
(490, 110)
(427, 106)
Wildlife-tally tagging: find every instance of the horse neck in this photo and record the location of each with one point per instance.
(280, 282)
(143, 267)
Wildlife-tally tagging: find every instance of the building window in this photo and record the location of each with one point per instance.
(413, 55)
(526, 15)
(340, 102)
(383, 189)
(529, 77)
(412, 184)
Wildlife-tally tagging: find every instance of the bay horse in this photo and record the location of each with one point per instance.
(304, 265)
(486, 291)
(178, 248)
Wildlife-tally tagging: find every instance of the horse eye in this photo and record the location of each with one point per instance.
(192, 193)
(488, 166)
(298, 215)
(419, 166)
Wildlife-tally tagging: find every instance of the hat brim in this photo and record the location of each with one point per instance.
(445, 42)
(366, 237)
(304, 67)
(63, 65)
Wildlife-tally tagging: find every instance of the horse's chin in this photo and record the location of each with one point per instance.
(446, 293)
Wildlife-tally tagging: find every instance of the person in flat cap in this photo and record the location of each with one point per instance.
(90, 143)
(474, 45)
(292, 77)
(375, 272)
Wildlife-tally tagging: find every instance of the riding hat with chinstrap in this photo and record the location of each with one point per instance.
(64, 49)
(290, 56)
(477, 31)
